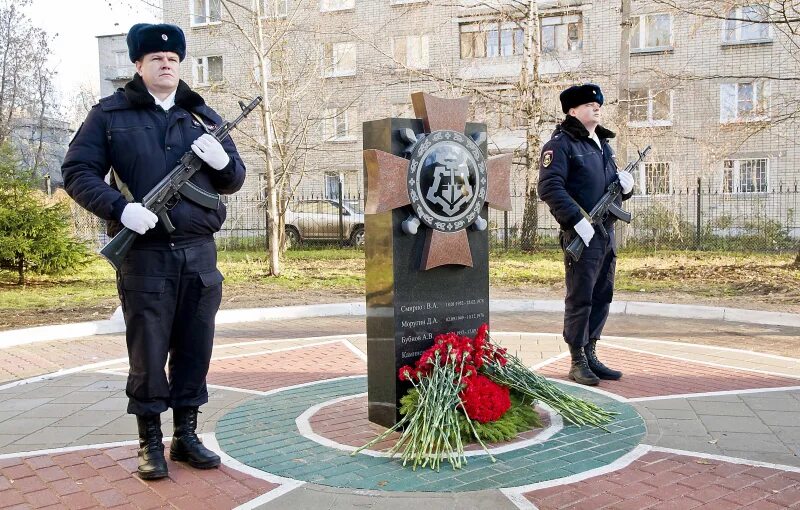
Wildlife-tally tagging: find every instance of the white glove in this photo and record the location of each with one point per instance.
(585, 230)
(210, 150)
(138, 218)
(626, 181)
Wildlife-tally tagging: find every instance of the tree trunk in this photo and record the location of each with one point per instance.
(20, 269)
(273, 231)
(797, 260)
(530, 89)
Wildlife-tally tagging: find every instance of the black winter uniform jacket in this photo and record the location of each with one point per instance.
(573, 171)
(142, 142)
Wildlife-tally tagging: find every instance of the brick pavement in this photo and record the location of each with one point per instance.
(71, 410)
(648, 375)
(666, 481)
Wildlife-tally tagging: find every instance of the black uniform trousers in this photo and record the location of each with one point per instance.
(169, 300)
(590, 288)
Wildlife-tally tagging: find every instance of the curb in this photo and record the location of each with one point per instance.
(117, 325)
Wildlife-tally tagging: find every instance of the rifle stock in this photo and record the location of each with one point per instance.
(116, 249)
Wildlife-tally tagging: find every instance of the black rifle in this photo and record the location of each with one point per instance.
(163, 197)
(603, 208)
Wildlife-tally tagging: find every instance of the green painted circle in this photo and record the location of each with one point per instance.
(262, 433)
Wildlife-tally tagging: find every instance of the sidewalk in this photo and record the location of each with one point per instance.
(702, 424)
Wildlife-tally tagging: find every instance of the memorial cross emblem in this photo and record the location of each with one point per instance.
(445, 183)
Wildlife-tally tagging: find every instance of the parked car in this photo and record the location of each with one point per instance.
(308, 220)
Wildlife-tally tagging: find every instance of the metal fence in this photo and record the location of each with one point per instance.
(697, 218)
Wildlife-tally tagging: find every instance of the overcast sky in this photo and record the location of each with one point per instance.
(77, 23)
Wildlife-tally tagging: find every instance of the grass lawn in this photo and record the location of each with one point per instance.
(332, 271)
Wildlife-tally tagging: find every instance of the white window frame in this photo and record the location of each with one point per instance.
(206, 15)
(760, 89)
(736, 176)
(423, 42)
(406, 2)
(201, 64)
(267, 9)
(336, 177)
(736, 17)
(334, 117)
(643, 34)
(560, 27)
(487, 28)
(650, 122)
(336, 5)
(641, 182)
(329, 68)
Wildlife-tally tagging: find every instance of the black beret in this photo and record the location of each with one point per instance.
(144, 38)
(580, 94)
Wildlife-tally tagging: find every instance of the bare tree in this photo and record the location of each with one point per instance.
(25, 79)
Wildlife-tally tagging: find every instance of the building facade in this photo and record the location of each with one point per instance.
(714, 97)
(116, 68)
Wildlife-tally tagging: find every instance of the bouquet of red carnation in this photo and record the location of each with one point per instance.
(459, 381)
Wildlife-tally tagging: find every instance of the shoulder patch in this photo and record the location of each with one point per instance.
(547, 158)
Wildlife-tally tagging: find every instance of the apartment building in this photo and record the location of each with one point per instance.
(116, 68)
(714, 97)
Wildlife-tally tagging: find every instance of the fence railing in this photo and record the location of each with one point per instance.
(696, 218)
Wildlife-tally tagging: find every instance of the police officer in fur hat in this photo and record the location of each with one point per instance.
(169, 284)
(577, 165)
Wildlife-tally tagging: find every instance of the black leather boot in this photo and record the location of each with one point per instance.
(597, 366)
(580, 371)
(186, 446)
(152, 464)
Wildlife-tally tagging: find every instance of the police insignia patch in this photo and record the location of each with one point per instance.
(547, 158)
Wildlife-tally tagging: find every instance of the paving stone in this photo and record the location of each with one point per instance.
(733, 424)
(716, 408)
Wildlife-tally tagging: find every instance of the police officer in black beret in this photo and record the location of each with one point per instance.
(169, 284)
(577, 166)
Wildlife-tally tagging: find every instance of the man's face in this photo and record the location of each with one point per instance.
(159, 71)
(588, 114)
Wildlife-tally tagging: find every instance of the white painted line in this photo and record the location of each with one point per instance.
(606, 338)
(518, 500)
(288, 340)
(707, 363)
(303, 423)
(594, 389)
(272, 351)
(66, 449)
(725, 458)
(715, 393)
(618, 464)
(358, 352)
(210, 441)
(550, 360)
(284, 388)
(62, 373)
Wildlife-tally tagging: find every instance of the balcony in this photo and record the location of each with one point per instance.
(112, 73)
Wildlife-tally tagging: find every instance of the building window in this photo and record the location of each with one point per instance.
(203, 12)
(651, 32)
(654, 178)
(650, 107)
(745, 175)
(562, 34)
(338, 123)
(336, 5)
(480, 40)
(275, 8)
(746, 23)
(331, 190)
(207, 70)
(743, 102)
(411, 51)
(339, 59)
